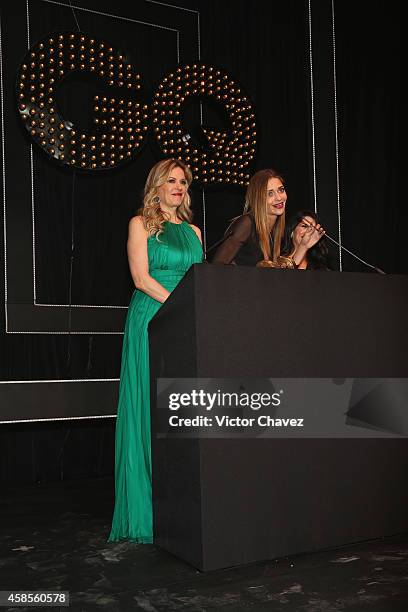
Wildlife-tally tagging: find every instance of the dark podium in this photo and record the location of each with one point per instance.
(224, 502)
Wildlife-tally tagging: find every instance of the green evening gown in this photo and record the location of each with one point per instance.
(170, 256)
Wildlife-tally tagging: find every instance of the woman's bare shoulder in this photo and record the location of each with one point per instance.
(137, 227)
(137, 222)
(196, 229)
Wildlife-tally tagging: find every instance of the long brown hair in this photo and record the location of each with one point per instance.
(255, 203)
(153, 216)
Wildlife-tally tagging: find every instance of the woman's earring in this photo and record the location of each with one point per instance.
(291, 235)
(156, 199)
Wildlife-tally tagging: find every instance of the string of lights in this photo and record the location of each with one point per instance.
(229, 152)
(120, 124)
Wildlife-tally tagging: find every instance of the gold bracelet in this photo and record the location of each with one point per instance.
(286, 262)
(267, 263)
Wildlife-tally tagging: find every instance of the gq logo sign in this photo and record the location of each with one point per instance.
(120, 124)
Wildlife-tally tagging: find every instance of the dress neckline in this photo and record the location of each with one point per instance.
(172, 223)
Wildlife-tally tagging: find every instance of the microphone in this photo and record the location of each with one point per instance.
(326, 235)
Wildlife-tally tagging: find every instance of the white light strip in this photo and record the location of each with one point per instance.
(337, 141)
(32, 176)
(199, 36)
(33, 225)
(203, 194)
(62, 380)
(204, 223)
(86, 10)
(28, 24)
(3, 176)
(78, 306)
(312, 108)
(180, 8)
(62, 333)
(101, 416)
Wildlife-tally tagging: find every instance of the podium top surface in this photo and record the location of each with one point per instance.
(299, 323)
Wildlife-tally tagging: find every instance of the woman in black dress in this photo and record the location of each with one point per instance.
(254, 238)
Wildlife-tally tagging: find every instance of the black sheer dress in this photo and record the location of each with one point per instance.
(241, 247)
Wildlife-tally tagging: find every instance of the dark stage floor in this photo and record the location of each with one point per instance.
(53, 536)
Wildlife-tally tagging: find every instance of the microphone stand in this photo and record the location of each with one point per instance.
(347, 251)
(353, 254)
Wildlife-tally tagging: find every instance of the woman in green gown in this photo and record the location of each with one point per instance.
(162, 245)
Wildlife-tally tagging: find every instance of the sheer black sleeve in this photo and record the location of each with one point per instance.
(237, 234)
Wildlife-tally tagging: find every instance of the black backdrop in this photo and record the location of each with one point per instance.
(339, 150)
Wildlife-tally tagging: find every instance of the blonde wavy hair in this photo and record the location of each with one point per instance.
(153, 216)
(255, 203)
